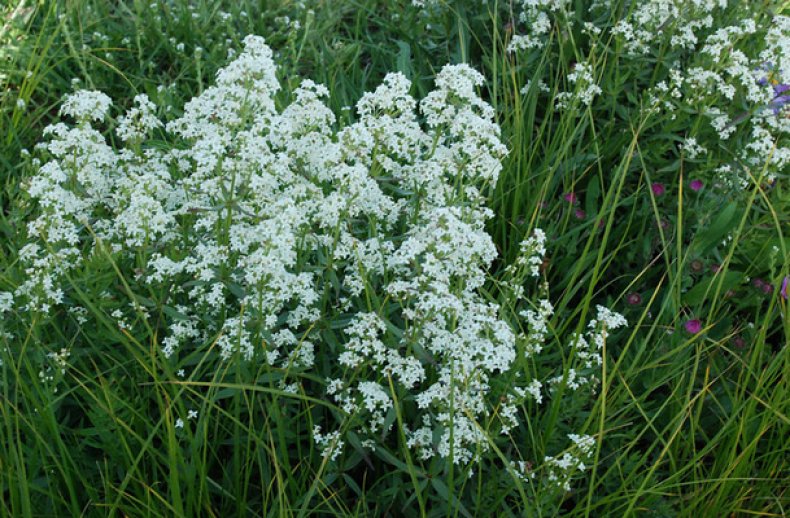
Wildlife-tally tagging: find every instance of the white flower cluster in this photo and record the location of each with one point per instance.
(726, 72)
(587, 357)
(723, 75)
(537, 323)
(586, 89)
(651, 20)
(6, 301)
(536, 317)
(139, 120)
(736, 75)
(691, 148)
(532, 251)
(6, 305)
(55, 367)
(86, 106)
(331, 444)
(537, 17)
(561, 469)
(266, 224)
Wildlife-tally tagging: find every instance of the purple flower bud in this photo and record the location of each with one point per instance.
(783, 291)
(580, 214)
(778, 102)
(570, 197)
(696, 185)
(763, 286)
(658, 189)
(693, 326)
(766, 66)
(633, 298)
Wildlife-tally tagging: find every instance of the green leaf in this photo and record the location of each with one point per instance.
(174, 313)
(443, 491)
(707, 287)
(404, 59)
(724, 223)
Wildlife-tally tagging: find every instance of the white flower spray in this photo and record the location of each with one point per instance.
(268, 226)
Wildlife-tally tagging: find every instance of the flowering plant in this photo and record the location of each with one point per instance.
(349, 262)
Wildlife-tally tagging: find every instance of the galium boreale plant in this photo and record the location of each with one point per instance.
(704, 84)
(349, 261)
(719, 69)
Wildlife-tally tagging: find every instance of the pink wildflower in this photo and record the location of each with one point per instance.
(693, 326)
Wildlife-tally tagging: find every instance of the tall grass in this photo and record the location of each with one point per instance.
(686, 424)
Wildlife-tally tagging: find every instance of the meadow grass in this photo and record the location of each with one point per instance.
(685, 424)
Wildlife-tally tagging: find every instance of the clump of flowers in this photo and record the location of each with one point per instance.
(562, 468)
(537, 18)
(266, 230)
(588, 349)
(585, 85)
(264, 225)
(654, 20)
(723, 61)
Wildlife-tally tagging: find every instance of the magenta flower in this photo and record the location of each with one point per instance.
(696, 185)
(580, 214)
(765, 287)
(570, 197)
(783, 291)
(693, 326)
(634, 298)
(658, 189)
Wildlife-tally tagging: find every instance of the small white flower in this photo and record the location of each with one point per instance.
(6, 301)
(139, 120)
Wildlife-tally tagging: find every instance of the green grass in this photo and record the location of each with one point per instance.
(685, 424)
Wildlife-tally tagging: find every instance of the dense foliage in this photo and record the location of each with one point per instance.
(282, 258)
